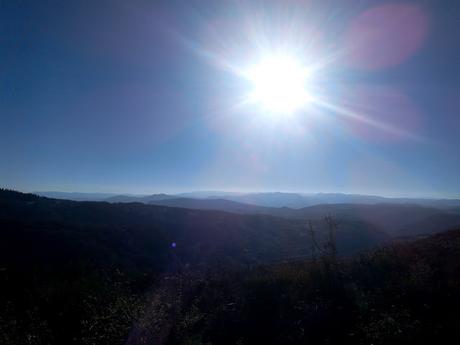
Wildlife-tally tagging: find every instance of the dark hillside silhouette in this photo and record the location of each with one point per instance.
(101, 273)
(406, 293)
(395, 219)
(197, 233)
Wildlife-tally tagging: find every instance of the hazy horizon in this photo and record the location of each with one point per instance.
(218, 192)
(149, 97)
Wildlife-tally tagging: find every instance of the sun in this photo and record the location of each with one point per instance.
(279, 84)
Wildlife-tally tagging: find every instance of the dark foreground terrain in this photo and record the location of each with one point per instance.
(406, 293)
(100, 273)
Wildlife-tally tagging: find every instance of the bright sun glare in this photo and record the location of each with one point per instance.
(279, 84)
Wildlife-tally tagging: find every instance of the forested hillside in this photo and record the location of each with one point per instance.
(100, 273)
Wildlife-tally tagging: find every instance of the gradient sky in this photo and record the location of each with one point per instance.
(141, 97)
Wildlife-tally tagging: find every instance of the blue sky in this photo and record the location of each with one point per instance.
(141, 97)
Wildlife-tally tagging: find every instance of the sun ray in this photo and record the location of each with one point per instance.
(349, 113)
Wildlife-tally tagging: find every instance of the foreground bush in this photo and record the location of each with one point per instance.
(407, 293)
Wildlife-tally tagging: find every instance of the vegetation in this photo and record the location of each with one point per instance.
(97, 273)
(406, 293)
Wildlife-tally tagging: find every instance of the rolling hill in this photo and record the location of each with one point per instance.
(395, 219)
(267, 199)
(74, 272)
(198, 234)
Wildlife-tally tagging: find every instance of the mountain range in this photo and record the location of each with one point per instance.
(268, 199)
(397, 217)
(76, 271)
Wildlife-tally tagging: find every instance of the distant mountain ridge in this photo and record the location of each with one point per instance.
(199, 234)
(76, 196)
(296, 200)
(216, 205)
(146, 199)
(397, 219)
(266, 199)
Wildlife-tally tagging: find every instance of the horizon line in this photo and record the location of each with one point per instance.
(301, 193)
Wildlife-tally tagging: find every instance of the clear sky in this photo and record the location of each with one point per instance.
(145, 96)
